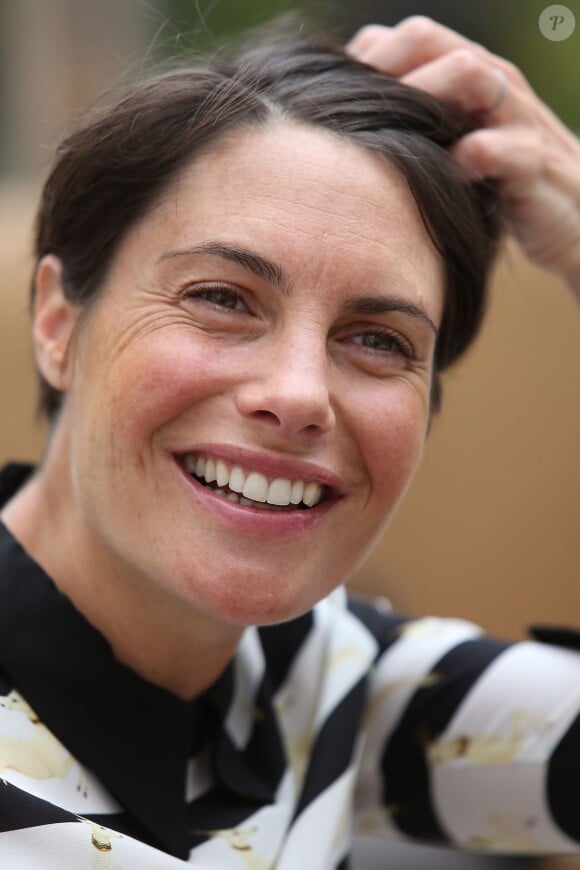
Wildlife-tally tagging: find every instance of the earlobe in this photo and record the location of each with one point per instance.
(54, 320)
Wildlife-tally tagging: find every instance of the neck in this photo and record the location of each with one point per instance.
(160, 636)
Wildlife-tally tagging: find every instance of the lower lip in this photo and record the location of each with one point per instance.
(256, 521)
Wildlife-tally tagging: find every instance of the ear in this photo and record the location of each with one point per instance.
(54, 320)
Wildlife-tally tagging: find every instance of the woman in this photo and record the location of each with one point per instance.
(249, 277)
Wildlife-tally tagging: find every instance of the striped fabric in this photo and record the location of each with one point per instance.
(347, 718)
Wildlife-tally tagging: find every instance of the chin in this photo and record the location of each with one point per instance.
(250, 600)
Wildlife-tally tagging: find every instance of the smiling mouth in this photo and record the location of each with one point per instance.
(251, 488)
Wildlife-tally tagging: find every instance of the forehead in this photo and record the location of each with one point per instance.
(322, 206)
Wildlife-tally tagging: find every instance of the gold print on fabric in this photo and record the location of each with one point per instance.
(344, 653)
(403, 684)
(298, 746)
(490, 748)
(102, 847)
(510, 833)
(297, 741)
(238, 839)
(39, 754)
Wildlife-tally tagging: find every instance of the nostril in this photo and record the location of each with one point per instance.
(266, 415)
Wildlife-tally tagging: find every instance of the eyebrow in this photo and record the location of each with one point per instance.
(273, 274)
(267, 270)
(384, 304)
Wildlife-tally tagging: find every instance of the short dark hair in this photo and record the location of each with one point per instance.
(115, 165)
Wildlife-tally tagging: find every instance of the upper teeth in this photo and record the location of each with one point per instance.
(253, 484)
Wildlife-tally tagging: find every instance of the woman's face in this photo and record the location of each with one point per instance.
(271, 320)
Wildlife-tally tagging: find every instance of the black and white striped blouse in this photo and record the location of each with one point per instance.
(347, 718)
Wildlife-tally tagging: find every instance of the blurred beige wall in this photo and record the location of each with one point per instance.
(19, 435)
(490, 528)
(58, 56)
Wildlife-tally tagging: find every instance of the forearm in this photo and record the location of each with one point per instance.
(477, 741)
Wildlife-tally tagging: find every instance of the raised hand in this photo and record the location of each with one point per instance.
(517, 139)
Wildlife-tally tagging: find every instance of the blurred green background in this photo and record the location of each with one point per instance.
(507, 27)
(57, 55)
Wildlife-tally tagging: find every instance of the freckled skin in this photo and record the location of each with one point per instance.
(154, 373)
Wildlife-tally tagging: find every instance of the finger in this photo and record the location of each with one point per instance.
(508, 154)
(365, 38)
(519, 153)
(540, 196)
(414, 42)
(469, 82)
(411, 43)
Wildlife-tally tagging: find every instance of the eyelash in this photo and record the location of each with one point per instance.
(402, 347)
(216, 290)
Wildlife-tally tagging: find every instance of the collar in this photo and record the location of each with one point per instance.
(135, 736)
(109, 718)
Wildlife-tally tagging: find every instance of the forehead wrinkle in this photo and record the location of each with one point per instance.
(336, 204)
(344, 226)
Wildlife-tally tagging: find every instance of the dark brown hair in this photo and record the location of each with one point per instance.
(110, 171)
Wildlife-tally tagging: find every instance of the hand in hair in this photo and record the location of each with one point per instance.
(516, 139)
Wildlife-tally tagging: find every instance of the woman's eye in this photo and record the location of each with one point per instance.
(221, 297)
(384, 342)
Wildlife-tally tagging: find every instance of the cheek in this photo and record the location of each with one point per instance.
(148, 389)
(393, 435)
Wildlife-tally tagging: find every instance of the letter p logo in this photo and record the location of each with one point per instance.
(557, 23)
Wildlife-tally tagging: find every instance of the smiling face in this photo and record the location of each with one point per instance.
(269, 322)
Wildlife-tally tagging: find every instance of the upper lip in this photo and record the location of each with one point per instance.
(272, 466)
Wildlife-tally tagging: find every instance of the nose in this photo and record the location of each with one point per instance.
(288, 391)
